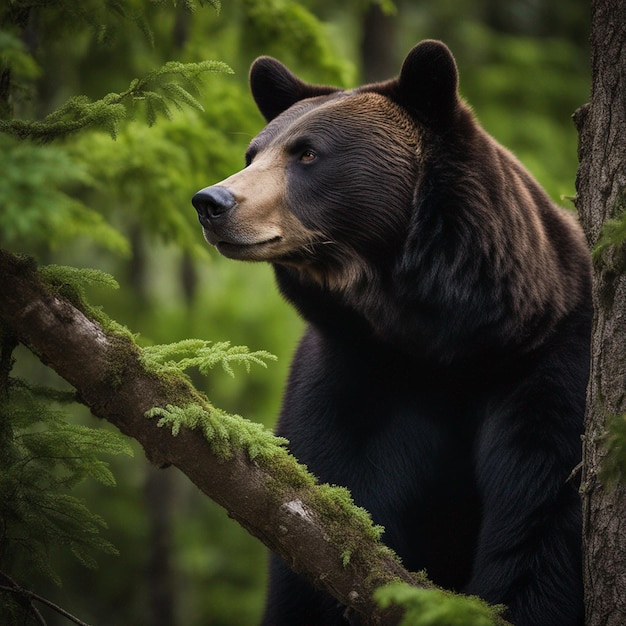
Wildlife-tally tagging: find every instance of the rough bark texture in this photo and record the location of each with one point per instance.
(601, 187)
(263, 497)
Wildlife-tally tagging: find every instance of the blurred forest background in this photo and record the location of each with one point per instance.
(123, 205)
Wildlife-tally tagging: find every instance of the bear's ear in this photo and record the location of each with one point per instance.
(274, 88)
(428, 83)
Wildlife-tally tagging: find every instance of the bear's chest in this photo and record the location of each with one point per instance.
(406, 454)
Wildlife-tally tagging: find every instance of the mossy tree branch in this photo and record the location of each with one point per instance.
(273, 498)
(315, 528)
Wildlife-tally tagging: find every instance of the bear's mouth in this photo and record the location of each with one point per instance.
(255, 251)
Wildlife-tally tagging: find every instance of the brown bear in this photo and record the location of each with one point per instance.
(442, 374)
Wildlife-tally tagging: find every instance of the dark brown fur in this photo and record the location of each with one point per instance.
(442, 373)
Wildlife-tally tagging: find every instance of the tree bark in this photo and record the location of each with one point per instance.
(601, 187)
(378, 49)
(271, 503)
(160, 576)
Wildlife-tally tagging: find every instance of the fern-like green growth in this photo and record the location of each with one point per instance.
(173, 84)
(43, 457)
(204, 355)
(70, 282)
(224, 432)
(77, 278)
(436, 607)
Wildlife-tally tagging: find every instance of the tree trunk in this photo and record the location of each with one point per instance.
(601, 186)
(160, 576)
(378, 39)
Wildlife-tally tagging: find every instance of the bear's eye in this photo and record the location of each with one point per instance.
(250, 154)
(307, 156)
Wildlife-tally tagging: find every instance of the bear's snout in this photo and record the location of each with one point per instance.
(212, 202)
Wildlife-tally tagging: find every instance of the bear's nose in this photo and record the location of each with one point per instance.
(211, 202)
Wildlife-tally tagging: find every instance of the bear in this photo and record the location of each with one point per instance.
(442, 373)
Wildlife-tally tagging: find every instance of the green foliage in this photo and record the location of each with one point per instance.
(37, 208)
(614, 465)
(613, 232)
(72, 282)
(435, 607)
(157, 91)
(225, 432)
(202, 354)
(13, 55)
(76, 279)
(145, 178)
(43, 458)
(285, 28)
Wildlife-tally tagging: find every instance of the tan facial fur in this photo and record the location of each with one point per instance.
(259, 227)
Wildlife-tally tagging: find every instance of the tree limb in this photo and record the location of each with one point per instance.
(29, 597)
(271, 503)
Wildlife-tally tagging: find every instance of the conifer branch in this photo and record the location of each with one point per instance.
(25, 595)
(174, 83)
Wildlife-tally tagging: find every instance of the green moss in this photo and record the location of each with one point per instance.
(614, 465)
(610, 252)
(70, 283)
(436, 607)
(288, 471)
(337, 505)
(225, 433)
(352, 530)
(345, 557)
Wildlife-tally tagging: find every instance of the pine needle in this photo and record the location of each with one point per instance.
(169, 84)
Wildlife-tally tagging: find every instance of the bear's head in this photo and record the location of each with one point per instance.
(388, 208)
(331, 181)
